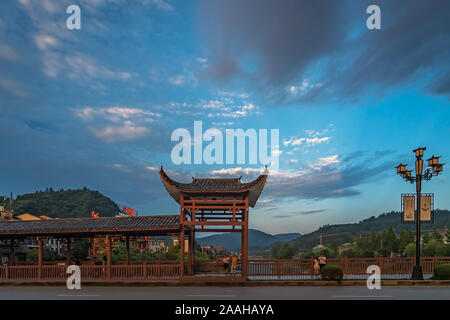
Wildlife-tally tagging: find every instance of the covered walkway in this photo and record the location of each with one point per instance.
(122, 228)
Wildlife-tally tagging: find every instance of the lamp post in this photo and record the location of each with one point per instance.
(434, 168)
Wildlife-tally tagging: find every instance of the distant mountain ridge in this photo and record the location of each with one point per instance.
(66, 203)
(342, 233)
(256, 239)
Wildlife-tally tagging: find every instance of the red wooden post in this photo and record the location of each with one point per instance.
(127, 247)
(11, 252)
(68, 250)
(108, 252)
(244, 249)
(193, 251)
(40, 258)
(182, 251)
(189, 264)
(278, 268)
(345, 265)
(7, 271)
(381, 264)
(145, 270)
(181, 239)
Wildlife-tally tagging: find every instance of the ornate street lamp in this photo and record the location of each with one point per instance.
(434, 168)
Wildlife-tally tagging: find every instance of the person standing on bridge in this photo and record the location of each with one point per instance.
(226, 263)
(234, 261)
(316, 266)
(322, 261)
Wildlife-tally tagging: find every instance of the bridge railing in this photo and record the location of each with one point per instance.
(92, 272)
(258, 269)
(351, 266)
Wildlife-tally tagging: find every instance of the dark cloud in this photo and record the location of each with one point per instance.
(38, 125)
(442, 86)
(284, 36)
(331, 181)
(293, 40)
(329, 177)
(296, 213)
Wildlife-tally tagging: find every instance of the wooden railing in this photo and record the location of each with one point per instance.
(351, 266)
(93, 272)
(258, 269)
(209, 266)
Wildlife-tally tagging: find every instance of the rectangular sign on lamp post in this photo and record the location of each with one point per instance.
(408, 208)
(426, 208)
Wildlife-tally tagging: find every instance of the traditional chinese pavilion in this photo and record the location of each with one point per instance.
(214, 205)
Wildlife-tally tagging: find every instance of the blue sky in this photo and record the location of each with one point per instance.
(96, 107)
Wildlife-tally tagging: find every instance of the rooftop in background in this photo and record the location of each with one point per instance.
(9, 215)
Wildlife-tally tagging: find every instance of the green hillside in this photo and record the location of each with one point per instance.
(65, 203)
(348, 232)
(256, 239)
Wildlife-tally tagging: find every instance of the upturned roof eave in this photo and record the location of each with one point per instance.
(254, 188)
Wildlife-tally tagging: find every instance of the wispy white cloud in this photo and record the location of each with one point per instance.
(126, 132)
(116, 113)
(325, 162)
(81, 66)
(312, 139)
(160, 4)
(238, 171)
(309, 141)
(124, 123)
(238, 112)
(303, 88)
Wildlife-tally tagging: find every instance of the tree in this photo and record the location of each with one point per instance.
(405, 238)
(431, 248)
(447, 237)
(47, 255)
(425, 238)
(334, 246)
(283, 251)
(80, 249)
(436, 235)
(410, 250)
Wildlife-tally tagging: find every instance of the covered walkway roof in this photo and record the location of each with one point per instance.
(88, 227)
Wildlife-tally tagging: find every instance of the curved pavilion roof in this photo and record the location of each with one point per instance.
(219, 185)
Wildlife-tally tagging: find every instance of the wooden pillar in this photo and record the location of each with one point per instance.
(12, 253)
(182, 251)
(191, 253)
(181, 239)
(193, 250)
(189, 262)
(244, 258)
(127, 247)
(108, 260)
(346, 266)
(244, 252)
(68, 247)
(40, 258)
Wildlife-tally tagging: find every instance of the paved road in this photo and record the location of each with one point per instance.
(225, 293)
